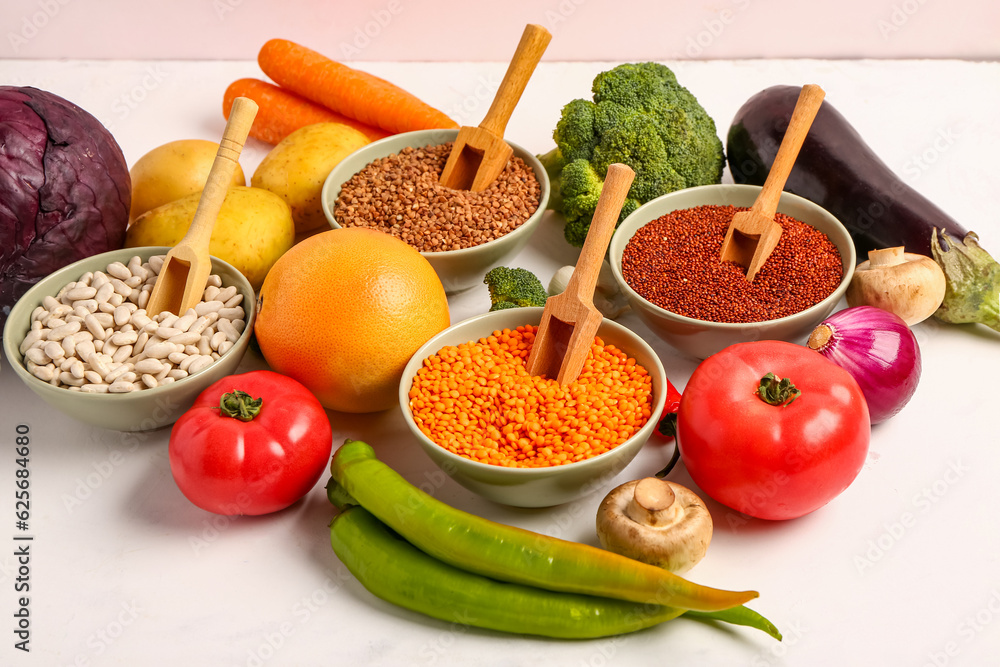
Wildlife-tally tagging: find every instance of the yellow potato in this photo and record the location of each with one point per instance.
(253, 230)
(172, 171)
(297, 167)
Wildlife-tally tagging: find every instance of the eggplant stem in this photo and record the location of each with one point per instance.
(972, 293)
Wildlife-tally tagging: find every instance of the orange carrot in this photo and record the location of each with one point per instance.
(282, 112)
(353, 93)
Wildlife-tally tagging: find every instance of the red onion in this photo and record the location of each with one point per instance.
(878, 350)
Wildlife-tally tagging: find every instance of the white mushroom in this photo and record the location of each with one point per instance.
(608, 298)
(657, 522)
(911, 286)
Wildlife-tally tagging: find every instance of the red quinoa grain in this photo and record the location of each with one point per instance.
(673, 262)
(400, 195)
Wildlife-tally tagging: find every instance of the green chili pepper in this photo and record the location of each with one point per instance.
(504, 552)
(393, 569)
(738, 616)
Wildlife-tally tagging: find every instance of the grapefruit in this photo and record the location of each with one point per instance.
(344, 310)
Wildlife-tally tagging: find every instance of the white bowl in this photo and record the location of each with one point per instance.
(700, 338)
(458, 269)
(143, 410)
(534, 487)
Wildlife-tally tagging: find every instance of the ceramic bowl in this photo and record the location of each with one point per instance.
(458, 269)
(142, 410)
(534, 487)
(699, 338)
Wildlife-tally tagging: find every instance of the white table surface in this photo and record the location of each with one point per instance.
(124, 571)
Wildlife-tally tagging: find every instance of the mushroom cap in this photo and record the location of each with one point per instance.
(655, 521)
(909, 285)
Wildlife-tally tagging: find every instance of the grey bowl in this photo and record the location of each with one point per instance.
(534, 487)
(144, 410)
(700, 338)
(458, 269)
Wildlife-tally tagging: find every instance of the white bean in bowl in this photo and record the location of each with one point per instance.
(86, 339)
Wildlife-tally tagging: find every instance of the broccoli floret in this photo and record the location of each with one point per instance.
(514, 288)
(642, 117)
(580, 186)
(574, 133)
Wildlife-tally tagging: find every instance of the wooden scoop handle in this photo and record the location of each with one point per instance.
(226, 159)
(588, 267)
(529, 51)
(805, 111)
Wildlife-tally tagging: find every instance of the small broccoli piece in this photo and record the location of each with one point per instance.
(514, 288)
(580, 186)
(639, 116)
(553, 163)
(504, 305)
(574, 134)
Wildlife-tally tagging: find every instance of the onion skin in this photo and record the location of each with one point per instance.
(879, 351)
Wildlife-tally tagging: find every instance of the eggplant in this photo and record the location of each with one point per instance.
(837, 170)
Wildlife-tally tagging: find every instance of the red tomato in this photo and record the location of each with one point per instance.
(772, 461)
(226, 465)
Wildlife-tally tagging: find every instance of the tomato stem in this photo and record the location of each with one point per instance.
(774, 391)
(240, 405)
(671, 464)
(667, 427)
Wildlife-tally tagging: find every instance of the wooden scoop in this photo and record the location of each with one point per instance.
(181, 282)
(480, 153)
(752, 234)
(570, 320)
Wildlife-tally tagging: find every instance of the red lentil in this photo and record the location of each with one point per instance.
(477, 400)
(401, 195)
(673, 262)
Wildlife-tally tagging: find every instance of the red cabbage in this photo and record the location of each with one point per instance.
(65, 190)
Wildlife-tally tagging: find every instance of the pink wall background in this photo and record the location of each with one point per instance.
(430, 30)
